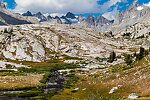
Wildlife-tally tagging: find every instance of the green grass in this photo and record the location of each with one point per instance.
(66, 57)
(44, 68)
(11, 73)
(92, 91)
(119, 68)
(30, 93)
(71, 80)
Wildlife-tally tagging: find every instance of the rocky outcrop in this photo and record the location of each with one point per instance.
(33, 42)
(16, 45)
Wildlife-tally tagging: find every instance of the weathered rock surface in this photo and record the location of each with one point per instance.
(32, 42)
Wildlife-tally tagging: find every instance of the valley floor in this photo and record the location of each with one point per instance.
(95, 84)
(67, 62)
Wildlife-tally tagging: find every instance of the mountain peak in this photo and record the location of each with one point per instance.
(28, 13)
(39, 13)
(70, 15)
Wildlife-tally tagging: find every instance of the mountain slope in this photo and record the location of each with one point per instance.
(134, 22)
(12, 20)
(9, 18)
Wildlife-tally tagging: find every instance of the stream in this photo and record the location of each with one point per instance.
(54, 83)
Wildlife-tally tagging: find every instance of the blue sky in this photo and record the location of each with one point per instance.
(76, 6)
(10, 4)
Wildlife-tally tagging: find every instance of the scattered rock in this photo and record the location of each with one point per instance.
(71, 61)
(75, 90)
(84, 89)
(113, 90)
(92, 66)
(133, 96)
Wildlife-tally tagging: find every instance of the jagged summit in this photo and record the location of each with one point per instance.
(28, 13)
(40, 17)
(91, 21)
(103, 20)
(70, 15)
(49, 17)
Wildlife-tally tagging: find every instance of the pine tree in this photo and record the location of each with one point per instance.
(128, 59)
(112, 57)
(141, 54)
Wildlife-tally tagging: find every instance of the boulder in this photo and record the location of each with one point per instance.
(133, 96)
(113, 90)
(75, 90)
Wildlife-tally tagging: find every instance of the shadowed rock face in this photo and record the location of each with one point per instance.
(28, 13)
(66, 21)
(49, 17)
(40, 16)
(91, 21)
(102, 20)
(70, 15)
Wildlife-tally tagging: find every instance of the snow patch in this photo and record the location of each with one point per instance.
(140, 8)
(109, 15)
(56, 14)
(46, 15)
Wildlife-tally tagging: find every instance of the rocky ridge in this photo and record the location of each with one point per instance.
(134, 22)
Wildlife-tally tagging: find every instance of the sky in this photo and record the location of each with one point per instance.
(106, 7)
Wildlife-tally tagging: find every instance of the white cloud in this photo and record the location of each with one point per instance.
(63, 6)
(60, 7)
(147, 4)
(57, 6)
(56, 14)
(108, 4)
(111, 14)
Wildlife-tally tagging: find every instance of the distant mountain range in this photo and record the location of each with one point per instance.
(70, 18)
(9, 18)
(135, 13)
